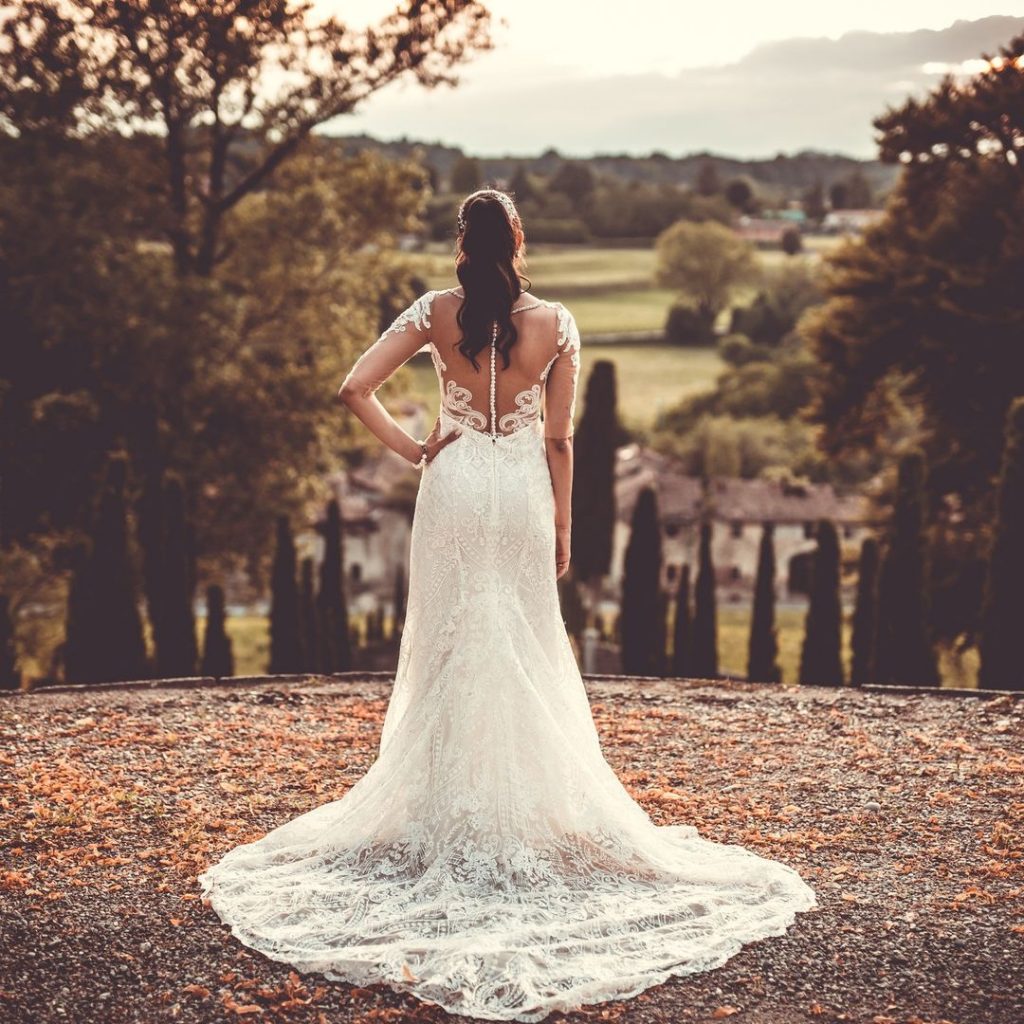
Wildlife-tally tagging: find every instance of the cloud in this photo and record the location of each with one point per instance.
(787, 95)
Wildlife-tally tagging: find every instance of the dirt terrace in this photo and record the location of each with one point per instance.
(904, 811)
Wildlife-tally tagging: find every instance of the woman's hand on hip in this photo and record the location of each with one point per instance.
(435, 442)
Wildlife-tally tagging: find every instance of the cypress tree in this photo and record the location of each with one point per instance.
(308, 619)
(176, 651)
(10, 677)
(336, 643)
(571, 604)
(104, 641)
(285, 638)
(643, 621)
(682, 638)
(1002, 615)
(864, 614)
(821, 658)
(705, 615)
(593, 492)
(400, 588)
(762, 656)
(903, 650)
(218, 658)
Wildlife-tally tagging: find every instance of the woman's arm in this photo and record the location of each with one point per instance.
(408, 333)
(559, 409)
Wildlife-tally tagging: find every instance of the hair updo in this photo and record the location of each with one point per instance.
(490, 249)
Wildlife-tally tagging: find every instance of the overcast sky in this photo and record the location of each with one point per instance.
(740, 78)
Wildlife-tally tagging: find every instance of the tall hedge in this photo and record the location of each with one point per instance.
(218, 657)
(904, 654)
(642, 606)
(821, 658)
(865, 613)
(335, 638)
(705, 614)
(176, 648)
(103, 639)
(1002, 616)
(285, 635)
(682, 626)
(763, 652)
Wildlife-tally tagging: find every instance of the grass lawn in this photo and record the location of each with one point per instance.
(651, 378)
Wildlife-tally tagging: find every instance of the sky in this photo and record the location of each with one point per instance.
(745, 79)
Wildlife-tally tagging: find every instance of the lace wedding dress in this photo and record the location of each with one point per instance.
(490, 861)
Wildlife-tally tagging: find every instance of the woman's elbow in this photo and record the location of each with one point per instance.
(349, 391)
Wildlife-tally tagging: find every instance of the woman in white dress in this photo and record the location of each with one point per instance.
(490, 861)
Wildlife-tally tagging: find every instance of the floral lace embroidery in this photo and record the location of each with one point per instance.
(527, 410)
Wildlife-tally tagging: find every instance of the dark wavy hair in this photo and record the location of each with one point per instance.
(490, 249)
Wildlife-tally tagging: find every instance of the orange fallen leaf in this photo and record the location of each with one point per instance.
(725, 1011)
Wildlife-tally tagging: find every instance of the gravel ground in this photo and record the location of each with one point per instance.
(904, 812)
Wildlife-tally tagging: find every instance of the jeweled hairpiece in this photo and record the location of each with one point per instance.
(510, 208)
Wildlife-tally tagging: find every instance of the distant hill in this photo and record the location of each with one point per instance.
(787, 173)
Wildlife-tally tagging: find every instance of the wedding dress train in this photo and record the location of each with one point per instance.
(490, 861)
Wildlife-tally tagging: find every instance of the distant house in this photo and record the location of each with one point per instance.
(737, 508)
(849, 222)
(767, 231)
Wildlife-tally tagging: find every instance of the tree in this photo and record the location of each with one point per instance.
(308, 618)
(922, 319)
(705, 618)
(708, 181)
(231, 96)
(1002, 618)
(104, 640)
(739, 194)
(10, 676)
(792, 241)
(218, 659)
(175, 636)
(814, 201)
(864, 613)
(682, 638)
(821, 660)
(642, 605)
(762, 656)
(466, 175)
(335, 637)
(285, 628)
(903, 649)
(574, 179)
(705, 263)
(593, 493)
(520, 187)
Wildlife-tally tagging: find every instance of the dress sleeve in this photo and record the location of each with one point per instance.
(562, 379)
(408, 333)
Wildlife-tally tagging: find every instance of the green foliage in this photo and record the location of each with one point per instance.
(705, 264)
(923, 316)
(1002, 620)
(465, 176)
(686, 326)
(821, 661)
(642, 622)
(762, 656)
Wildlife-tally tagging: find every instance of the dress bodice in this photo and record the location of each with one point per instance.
(537, 388)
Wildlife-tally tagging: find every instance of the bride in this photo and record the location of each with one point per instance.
(490, 861)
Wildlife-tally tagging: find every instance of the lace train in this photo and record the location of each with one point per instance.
(490, 861)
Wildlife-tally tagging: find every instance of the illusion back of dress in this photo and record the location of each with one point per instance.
(538, 385)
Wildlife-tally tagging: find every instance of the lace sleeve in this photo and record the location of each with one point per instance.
(560, 392)
(408, 333)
